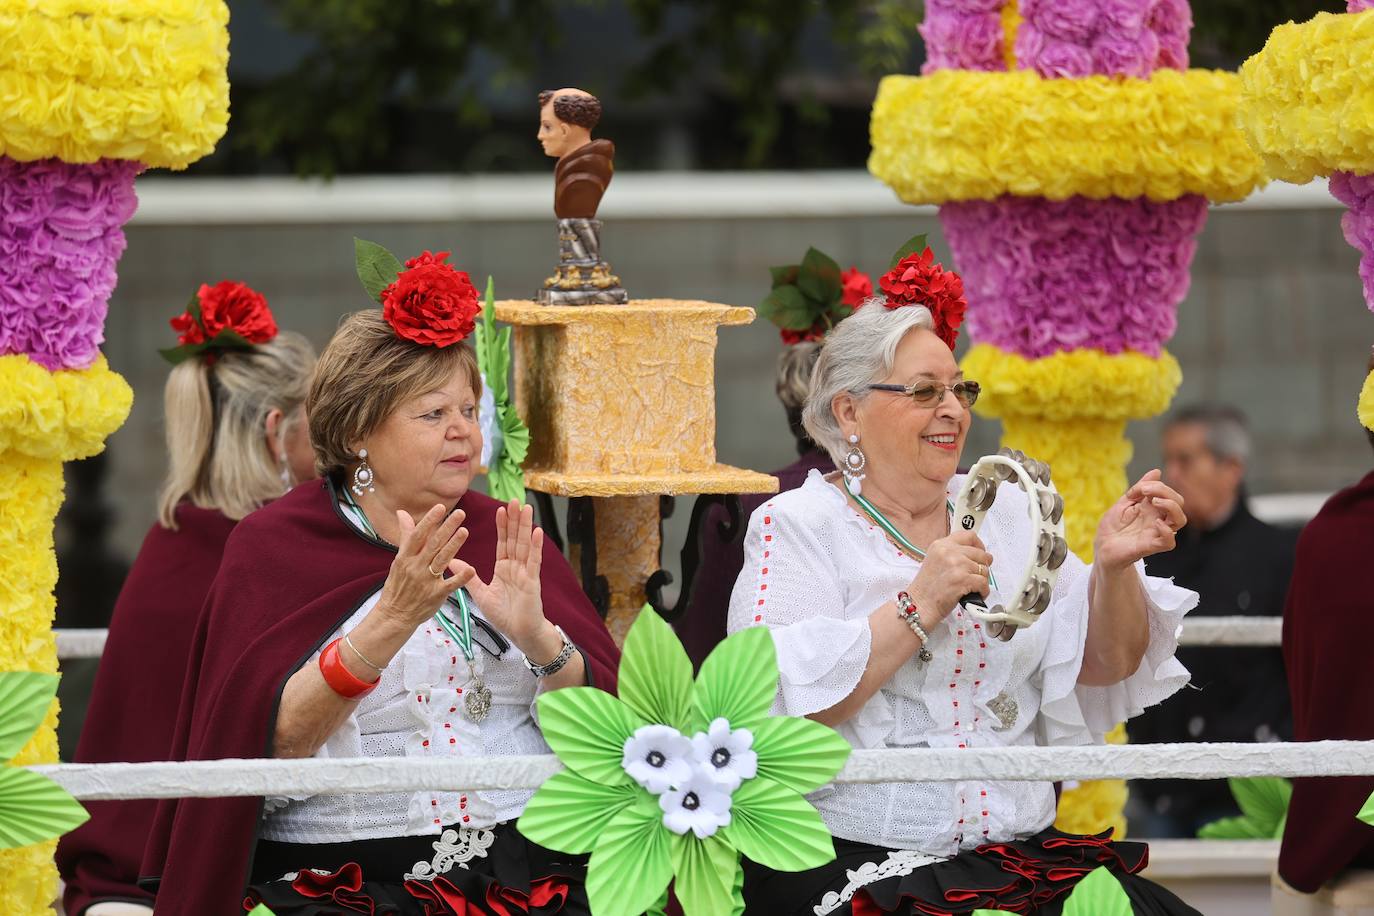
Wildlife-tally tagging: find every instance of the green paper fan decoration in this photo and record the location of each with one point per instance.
(1263, 802)
(675, 779)
(1367, 811)
(33, 808)
(510, 437)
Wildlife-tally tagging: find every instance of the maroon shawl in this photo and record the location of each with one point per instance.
(1326, 652)
(133, 708)
(292, 573)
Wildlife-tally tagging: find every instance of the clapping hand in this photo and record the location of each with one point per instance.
(512, 600)
(1142, 523)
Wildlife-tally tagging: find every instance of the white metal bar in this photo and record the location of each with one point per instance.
(1197, 631)
(219, 778)
(499, 198)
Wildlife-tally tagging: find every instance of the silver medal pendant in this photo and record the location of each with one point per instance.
(477, 701)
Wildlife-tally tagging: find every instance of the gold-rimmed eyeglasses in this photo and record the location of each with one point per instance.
(930, 394)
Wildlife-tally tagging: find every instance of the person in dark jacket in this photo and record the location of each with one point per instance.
(1239, 566)
(1329, 676)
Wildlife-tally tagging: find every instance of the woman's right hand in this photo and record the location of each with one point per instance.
(412, 592)
(955, 565)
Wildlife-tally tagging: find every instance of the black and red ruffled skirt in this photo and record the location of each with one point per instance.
(515, 876)
(1032, 876)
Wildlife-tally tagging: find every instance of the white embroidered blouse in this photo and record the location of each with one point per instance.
(417, 711)
(815, 569)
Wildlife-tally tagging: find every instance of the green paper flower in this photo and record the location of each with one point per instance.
(677, 779)
(33, 808)
(1263, 802)
(1367, 811)
(1099, 894)
(511, 438)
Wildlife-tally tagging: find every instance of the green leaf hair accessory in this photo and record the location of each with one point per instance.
(676, 779)
(33, 808)
(810, 298)
(509, 437)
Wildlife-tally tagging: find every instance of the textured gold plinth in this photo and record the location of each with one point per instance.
(619, 390)
(621, 405)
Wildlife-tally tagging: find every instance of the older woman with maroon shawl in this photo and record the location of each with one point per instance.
(236, 438)
(387, 611)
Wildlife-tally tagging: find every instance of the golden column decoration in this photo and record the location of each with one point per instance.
(620, 403)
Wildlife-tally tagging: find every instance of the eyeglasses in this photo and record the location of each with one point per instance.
(930, 394)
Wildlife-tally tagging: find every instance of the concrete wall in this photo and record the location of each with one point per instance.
(1274, 322)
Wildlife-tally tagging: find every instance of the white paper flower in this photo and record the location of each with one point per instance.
(726, 754)
(658, 757)
(698, 805)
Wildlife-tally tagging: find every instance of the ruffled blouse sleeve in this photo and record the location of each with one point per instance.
(791, 584)
(1071, 713)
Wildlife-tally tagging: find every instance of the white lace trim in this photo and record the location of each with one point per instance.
(453, 848)
(898, 862)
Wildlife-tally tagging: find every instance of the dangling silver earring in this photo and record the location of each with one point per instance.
(854, 464)
(363, 476)
(285, 475)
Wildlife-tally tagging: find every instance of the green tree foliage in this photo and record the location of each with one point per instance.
(388, 84)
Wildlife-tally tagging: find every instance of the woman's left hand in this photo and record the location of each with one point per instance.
(512, 600)
(1141, 524)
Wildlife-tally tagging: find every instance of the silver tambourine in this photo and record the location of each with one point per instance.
(1047, 518)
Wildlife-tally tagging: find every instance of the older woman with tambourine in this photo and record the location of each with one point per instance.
(901, 625)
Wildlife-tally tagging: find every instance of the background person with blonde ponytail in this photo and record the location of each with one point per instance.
(237, 438)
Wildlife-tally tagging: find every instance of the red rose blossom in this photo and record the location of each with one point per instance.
(918, 280)
(430, 302)
(856, 287)
(227, 306)
(815, 332)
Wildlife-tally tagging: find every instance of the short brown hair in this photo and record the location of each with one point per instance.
(579, 110)
(364, 374)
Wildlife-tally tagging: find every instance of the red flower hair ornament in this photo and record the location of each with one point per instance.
(427, 301)
(226, 316)
(918, 279)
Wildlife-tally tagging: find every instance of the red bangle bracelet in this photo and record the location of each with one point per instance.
(340, 680)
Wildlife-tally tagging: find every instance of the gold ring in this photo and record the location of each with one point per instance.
(982, 571)
(437, 575)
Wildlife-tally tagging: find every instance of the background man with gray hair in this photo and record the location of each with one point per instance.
(1238, 565)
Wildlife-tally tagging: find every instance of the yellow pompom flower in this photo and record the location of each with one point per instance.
(1073, 384)
(65, 414)
(965, 135)
(1365, 410)
(1093, 806)
(1308, 97)
(143, 80)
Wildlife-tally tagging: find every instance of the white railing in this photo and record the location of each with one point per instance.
(1200, 631)
(218, 778)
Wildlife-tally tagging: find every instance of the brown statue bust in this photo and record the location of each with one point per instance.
(585, 166)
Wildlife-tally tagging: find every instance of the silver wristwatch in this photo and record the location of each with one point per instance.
(559, 660)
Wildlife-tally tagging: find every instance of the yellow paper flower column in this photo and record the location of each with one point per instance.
(1073, 155)
(90, 94)
(1308, 108)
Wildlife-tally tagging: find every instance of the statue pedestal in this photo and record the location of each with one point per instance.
(620, 403)
(582, 276)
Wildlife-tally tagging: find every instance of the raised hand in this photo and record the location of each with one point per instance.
(416, 585)
(513, 600)
(1142, 523)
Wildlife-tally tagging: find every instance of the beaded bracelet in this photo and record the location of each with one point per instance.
(340, 680)
(911, 616)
